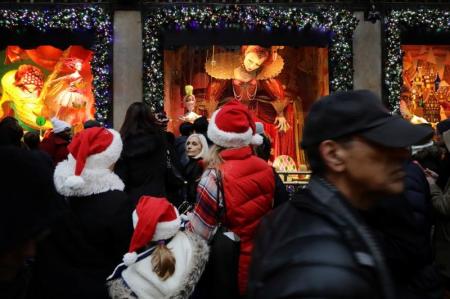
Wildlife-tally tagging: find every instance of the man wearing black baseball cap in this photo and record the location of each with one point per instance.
(317, 245)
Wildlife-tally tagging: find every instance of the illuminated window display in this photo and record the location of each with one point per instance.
(44, 82)
(426, 77)
(277, 83)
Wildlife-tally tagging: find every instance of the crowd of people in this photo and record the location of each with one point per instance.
(140, 213)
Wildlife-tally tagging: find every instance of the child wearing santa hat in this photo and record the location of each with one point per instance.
(87, 247)
(163, 261)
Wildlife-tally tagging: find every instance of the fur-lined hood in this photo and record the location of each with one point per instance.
(96, 180)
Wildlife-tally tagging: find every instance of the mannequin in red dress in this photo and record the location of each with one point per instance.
(250, 78)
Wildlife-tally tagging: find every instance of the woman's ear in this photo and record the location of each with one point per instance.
(333, 155)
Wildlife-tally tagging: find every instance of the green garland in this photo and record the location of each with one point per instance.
(90, 17)
(430, 19)
(341, 22)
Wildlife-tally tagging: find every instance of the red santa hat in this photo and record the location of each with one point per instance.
(93, 148)
(154, 219)
(232, 126)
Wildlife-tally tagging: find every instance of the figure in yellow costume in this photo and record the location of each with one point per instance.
(21, 97)
(189, 105)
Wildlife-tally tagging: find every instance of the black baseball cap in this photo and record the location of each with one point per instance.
(359, 112)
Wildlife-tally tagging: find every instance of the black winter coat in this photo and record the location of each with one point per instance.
(403, 226)
(316, 246)
(142, 165)
(83, 250)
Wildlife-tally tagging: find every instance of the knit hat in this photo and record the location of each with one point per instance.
(59, 125)
(94, 148)
(154, 219)
(232, 126)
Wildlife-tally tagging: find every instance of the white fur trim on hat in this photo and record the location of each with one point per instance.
(256, 139)
(167, 229)
(74, 182)
(228, 139)
(164, 230)
(96, 176)
(109, 156)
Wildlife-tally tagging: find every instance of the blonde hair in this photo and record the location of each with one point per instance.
(202, 139)
(163, 262)
(214, 160)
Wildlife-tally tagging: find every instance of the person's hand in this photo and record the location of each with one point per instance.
(281, 123)
(431, 176)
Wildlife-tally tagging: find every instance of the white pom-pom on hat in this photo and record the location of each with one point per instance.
(130, 258)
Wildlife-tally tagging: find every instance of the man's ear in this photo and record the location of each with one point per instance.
(333, 155)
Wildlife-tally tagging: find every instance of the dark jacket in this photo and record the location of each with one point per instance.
(403, 228)
(142, 165)
(84, 248)
(192, 172)
(56, 147)
(180, 150)
(317, 246)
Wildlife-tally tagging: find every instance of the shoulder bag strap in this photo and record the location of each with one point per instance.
(221, 208)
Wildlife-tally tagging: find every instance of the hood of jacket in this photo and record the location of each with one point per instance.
(141, 144)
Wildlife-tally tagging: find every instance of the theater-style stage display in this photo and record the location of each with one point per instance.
(55, 63)
(45, 82)
(426, 76)
(277, 83)
(417, 64)
(277, 61)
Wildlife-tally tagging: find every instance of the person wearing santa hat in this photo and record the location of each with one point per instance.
(98, 225)
(248, 183)
(162, 261)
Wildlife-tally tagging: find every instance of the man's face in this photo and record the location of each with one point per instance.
(374, 168)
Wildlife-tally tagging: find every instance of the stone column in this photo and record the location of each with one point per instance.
(127, 65)
(367, 55)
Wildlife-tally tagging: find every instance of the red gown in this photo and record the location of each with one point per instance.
(265, 99)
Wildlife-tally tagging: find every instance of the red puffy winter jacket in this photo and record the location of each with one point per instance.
(249, 187)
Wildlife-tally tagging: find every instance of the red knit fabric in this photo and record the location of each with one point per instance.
(89, 142)
(249, 187)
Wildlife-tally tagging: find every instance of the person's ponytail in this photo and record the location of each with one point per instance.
(163, 262)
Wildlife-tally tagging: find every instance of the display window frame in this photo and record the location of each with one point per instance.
(157, 20)
(408, 26)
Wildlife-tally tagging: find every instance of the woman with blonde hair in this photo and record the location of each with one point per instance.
(163, 261)
(236, 190)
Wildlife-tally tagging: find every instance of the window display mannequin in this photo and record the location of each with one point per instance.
(250, 77)
(69, 94)
(21, 97)
(70, 86)
(189, 105)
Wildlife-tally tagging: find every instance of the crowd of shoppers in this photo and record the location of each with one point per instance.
(138, 213)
